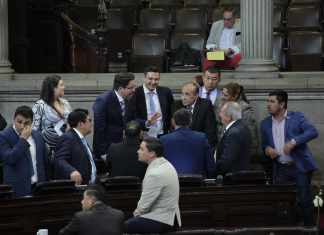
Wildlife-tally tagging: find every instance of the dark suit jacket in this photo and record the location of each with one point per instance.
(124, 159)
(189, 152)
(296, 127)
(17, 163)
(203, 119)
(233, 152)
(98, 220)
(108, 122)
(70, 155)
(137, 106)
(3, 123)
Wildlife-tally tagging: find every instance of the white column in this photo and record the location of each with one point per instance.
(5, 65)
(256, 35)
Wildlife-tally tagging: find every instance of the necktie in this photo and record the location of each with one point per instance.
(208, 95)
(122, 106)
(151, 103)
(93, 165)
(32, 172)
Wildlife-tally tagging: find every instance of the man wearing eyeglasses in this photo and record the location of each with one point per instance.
(225, 36)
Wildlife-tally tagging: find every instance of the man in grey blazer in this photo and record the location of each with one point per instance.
(159, 203)
(225, 35)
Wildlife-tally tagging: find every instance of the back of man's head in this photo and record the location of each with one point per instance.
(76, 116)
(182, 118)
(133, 129)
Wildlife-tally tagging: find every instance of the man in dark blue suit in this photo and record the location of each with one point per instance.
(284, 140)
(23, 153)
(73, 158)
(188, 150)
(109, 114)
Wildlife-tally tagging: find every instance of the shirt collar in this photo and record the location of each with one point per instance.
(79, 133)
(204, 90)
(120, 99)
(284, 117)
(146, 90)
(229, 125)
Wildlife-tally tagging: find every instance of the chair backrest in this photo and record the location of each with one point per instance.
(166, 4)
(121, 183)
(189, 180)
(305, 51)
(191, 20)
(148, 44)
(6, 191)
(121, 19)
(245, 177)
(87, 2)
(195, 41)
(278, 15)
(200, 3)
(154, 20)
(304, 42)
(306, 2)
(125, 3)
(303, 17)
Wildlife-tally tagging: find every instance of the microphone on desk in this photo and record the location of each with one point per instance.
(219, 180)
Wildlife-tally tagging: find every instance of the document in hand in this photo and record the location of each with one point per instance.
(215, 55)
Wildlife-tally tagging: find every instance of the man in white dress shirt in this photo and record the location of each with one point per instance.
(225, 35)
(152, 104)
(158, 206)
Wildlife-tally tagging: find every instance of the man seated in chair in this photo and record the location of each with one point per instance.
(95, 218)
(158, 207)
(225, 36)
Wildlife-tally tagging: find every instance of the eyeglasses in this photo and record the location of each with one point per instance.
(227, 19)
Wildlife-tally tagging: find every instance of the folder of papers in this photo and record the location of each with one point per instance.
(215, 55)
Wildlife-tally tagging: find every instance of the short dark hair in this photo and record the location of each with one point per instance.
(182, 117)
(76, 116)
(122, 80)
(151, 68)
(133, 129)
(154, 145)
(24, 111)
(48, 86)
(281, 95)
(95, 194)
(213, 69)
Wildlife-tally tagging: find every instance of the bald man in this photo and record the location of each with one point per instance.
(203, 116)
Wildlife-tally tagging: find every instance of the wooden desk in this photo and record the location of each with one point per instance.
(201, 207)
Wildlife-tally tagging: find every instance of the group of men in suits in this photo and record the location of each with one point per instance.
(284, 136)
